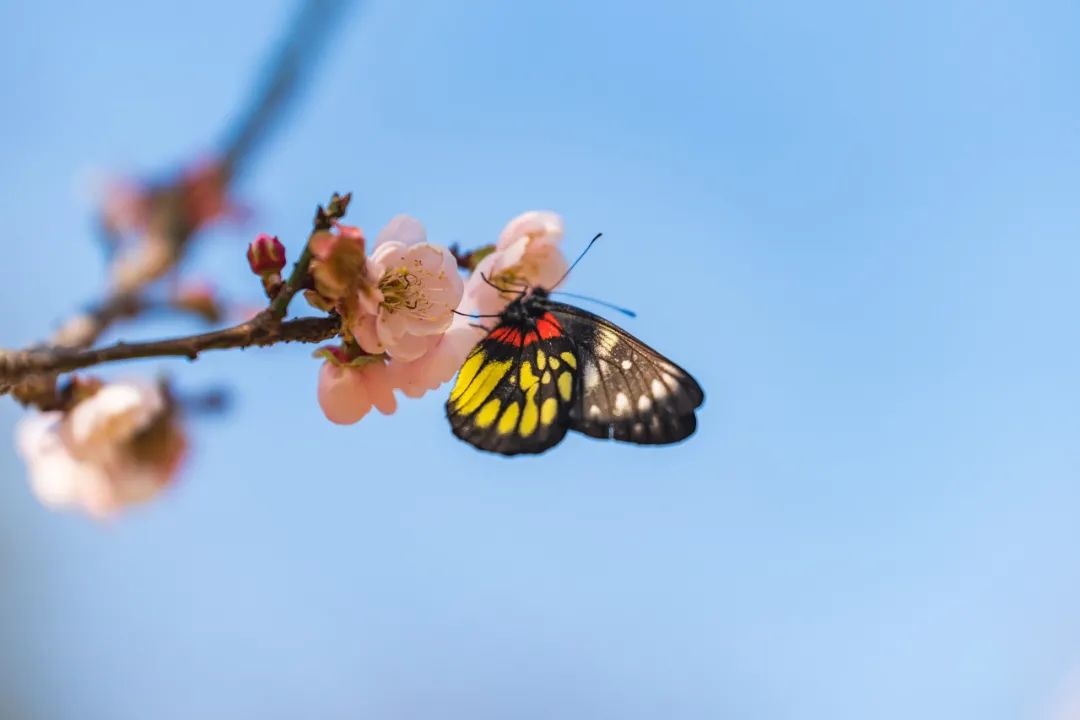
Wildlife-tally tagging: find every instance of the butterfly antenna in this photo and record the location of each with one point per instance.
(470, 315)
(579, 257)
(486, 279)
(624, 311)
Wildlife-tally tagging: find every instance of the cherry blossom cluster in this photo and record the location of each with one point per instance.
(407, 313)
(145, 221)
(99, 447)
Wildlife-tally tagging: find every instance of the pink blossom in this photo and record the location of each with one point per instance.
(143, 262)
(348, 389)
(339, 267)
(441, 362)
(118, 447)
(132, 207)
(126, 206)
(415, 289)
(204, 186)
(526, 255)
(201, 298)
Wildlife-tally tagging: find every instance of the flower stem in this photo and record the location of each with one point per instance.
(297, 278)
(301, 272)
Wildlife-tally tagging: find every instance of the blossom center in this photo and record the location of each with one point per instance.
(519, 276)
(403, 290)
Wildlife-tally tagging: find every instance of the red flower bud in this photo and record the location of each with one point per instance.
(266, 255)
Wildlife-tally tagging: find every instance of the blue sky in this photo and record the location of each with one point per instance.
(855, 223)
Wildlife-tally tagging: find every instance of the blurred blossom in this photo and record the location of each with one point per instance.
(142, 263)
(119, 445)
(204, 187)
(526, 254)
(125, 207)
(201, 298)
(153, 222)
(132, 207)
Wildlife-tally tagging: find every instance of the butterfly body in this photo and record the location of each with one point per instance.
(548, 367)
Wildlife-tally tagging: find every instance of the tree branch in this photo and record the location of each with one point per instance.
(16, 365)
(31, 375)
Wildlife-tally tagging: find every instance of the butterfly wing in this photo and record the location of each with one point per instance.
(626, 390)
(513, 393)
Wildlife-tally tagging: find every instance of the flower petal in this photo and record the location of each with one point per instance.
(403, 229)
(380, 387)
(114, 414)
(365, 330)
(542, 226)
(342, 393)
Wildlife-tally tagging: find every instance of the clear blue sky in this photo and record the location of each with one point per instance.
(856, 223)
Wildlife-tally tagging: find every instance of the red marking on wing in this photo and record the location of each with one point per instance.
(531, 337)
(548, 326)
(507, 335)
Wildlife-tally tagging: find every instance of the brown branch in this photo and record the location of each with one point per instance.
(17, 365)
(79, 331)
(31, 374)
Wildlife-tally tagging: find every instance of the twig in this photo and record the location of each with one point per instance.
(32, 373)
(16, 365)
(298, 278)
(83, 330)
(468, 260)
(169, 228)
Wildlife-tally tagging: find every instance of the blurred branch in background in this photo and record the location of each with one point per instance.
(296, 56)
(148, 227)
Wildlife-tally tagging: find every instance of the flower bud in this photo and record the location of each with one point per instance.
(266, 255)
(338, 262)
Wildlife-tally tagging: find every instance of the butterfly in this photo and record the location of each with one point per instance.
(548, 367)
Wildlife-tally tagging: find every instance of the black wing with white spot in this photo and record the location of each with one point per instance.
(626, 390)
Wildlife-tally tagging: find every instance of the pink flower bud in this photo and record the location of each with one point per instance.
(339, 261)
(266, 255)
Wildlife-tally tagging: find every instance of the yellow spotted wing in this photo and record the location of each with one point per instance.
(515, 391)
